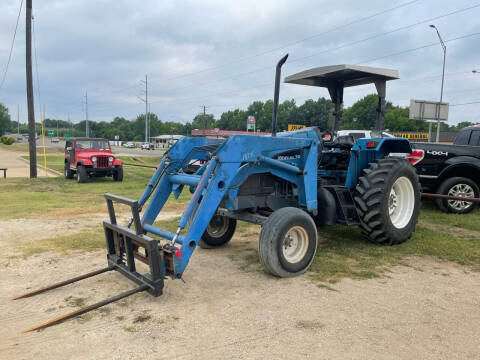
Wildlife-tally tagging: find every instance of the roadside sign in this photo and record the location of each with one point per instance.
(412, 135)
(251, 123)
(117, 137)
(293, 127)
(50, 133)
(67, 136)
(430, 111)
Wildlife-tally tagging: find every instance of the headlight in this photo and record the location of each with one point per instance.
(110, 159)
(94, 158)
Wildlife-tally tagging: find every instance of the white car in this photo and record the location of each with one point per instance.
(129, 145)
(359, 134)
(148, 146)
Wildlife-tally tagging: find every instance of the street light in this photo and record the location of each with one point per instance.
(444, 48)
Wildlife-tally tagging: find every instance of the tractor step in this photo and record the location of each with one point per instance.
(346, 212)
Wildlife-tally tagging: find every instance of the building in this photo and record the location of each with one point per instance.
(225, 133)
(165, 141)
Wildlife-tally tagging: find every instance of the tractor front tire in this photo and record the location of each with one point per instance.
(288, 242)
(219, 231)
(82, 175)
(68, 173)
(118, 174)
(388, 201)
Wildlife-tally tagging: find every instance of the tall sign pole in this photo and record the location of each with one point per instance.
(87, 129)
(31, 110)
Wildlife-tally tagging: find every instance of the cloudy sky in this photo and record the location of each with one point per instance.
(222, 54)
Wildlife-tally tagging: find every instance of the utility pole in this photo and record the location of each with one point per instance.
(147, 123)
(18, 119)
(32, 148)
(444, 48)
(87, 130)
(204, 116)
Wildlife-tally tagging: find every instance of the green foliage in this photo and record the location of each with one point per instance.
(7, 140)
(361, 115)
(5, 121)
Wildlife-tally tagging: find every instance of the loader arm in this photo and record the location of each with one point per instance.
(229, 164)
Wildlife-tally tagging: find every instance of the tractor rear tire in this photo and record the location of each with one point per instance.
(82, 175)
(118, 174)
(219, 231)
(68, 173)
(388, 201)
(288, 242)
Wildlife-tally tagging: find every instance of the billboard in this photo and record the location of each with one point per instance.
(293, 127)
(428, 110)
(251, 123)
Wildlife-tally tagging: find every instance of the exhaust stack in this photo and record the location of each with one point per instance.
(277, 93)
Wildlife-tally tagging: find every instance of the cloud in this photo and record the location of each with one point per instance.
(191, 51)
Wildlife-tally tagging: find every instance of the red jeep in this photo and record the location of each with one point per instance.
(91, 157)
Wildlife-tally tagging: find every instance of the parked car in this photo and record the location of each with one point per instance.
(55, 140)
(359, 134)
(91, 157)
(451, 169)
(148, 146)
(129, 144)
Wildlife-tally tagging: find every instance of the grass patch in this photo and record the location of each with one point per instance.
(59, 196)
(347, 254)
(431, 214)
(75, 301)
(85, 241)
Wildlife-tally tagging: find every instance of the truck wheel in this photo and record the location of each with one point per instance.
(388, 201)
(457, 186)
(81, 174)
(288, 242)
(219, 232)
(118, 174)
(68, 173)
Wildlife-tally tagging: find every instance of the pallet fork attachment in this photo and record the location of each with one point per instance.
(124, 246)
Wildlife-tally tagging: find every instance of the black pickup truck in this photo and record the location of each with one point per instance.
(450, 169)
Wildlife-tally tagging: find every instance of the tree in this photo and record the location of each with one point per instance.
(5, 121)
(201, 121)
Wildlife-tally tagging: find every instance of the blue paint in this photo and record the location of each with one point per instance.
(230, 162)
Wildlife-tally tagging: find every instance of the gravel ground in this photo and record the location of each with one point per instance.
(229, 308)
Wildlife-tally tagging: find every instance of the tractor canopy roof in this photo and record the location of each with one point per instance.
(347, 75)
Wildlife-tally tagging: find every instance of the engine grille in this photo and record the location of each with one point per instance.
(102, 161)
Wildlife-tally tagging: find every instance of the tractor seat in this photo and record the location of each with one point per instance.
(344, 142)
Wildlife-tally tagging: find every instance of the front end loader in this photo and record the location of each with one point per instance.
(289, 183)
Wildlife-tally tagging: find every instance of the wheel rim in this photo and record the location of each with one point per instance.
(460, 190)
(401, 202)
(295, 244)
(218, 226)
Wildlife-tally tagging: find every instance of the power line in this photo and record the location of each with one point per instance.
(418, 48)
(234, 61)
(341, 46)
(387, 32)
(467, 103)
(11, 47)
(291, 43)
(366, 61)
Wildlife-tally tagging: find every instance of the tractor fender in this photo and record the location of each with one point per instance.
(393, 145)
(327, 208)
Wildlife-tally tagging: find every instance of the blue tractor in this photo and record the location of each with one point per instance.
(289, 183)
